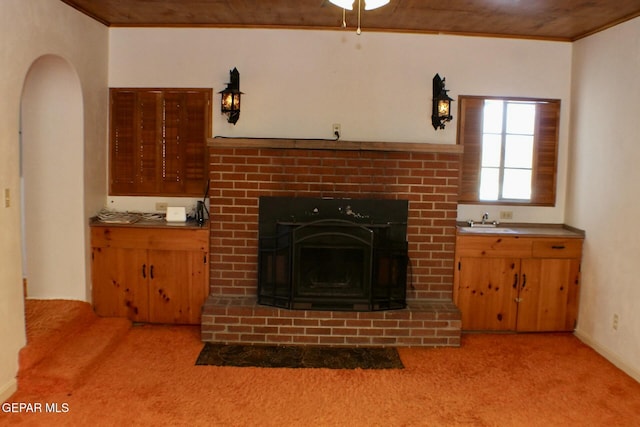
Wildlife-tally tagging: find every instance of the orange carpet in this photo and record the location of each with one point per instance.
(150, 379)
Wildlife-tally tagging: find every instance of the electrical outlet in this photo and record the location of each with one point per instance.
(614, 325)
(336, 130)
(7, 198)
(506, 214)
(161, 206)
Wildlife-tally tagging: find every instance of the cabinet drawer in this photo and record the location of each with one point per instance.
(151, 238)
(557, 248)
(493, 246)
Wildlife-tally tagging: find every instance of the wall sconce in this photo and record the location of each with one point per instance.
(230, 97)
(441, 104)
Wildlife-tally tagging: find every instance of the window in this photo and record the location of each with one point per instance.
(510, 150)
(158, 141)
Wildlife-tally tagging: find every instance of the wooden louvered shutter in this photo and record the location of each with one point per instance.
(149, 125)
(158, 141)
(123, 136)
(545, 154)
(470, 136)
(172, 176)
(194, 132)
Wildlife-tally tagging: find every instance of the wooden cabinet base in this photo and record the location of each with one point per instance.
(157, 275)
(526, 284)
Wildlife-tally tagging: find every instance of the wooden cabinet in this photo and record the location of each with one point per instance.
(515, 283)
(150, 274)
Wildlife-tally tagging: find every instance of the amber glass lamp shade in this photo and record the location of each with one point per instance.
(230, 98)
(441, 112)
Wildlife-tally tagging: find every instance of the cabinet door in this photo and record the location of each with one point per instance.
(119, 278)
(177, 286)
(486, 292)
(548, 299)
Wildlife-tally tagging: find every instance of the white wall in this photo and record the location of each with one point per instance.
(377, 85)
(30, 29)
(603, 196)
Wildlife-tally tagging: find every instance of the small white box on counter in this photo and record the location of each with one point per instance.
(176, 214)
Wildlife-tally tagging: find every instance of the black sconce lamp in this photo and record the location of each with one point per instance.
(230, 97)
(441, 104)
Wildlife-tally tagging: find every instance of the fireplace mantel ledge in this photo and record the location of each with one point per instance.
(324, 144)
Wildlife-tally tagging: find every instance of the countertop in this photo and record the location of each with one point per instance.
(515, 229)
(190, 224)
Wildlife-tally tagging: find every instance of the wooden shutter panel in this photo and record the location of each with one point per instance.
(149, 124)
(470, 136)
(172, 174)
(546, 154)
(184, 142)
(195, 130)
(123, 135)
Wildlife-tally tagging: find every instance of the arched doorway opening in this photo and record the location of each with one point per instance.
(52, 158)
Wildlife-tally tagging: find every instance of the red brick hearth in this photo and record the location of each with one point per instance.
(242, 170)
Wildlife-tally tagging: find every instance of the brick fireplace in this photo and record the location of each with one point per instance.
(243, 170)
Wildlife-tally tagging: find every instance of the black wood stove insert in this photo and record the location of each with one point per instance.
(332, 254)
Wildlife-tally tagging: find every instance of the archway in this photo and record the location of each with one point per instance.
(52, 153)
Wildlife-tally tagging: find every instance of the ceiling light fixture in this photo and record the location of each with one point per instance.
(368, 4)
(374, 4)
(348, 5)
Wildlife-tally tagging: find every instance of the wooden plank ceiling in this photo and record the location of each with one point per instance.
(564, 20)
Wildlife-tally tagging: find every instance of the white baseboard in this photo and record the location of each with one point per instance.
(611, 357)
(8, 389)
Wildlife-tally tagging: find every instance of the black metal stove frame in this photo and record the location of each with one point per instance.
(332, 254)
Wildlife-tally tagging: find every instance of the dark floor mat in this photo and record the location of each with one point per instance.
(265, 356)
